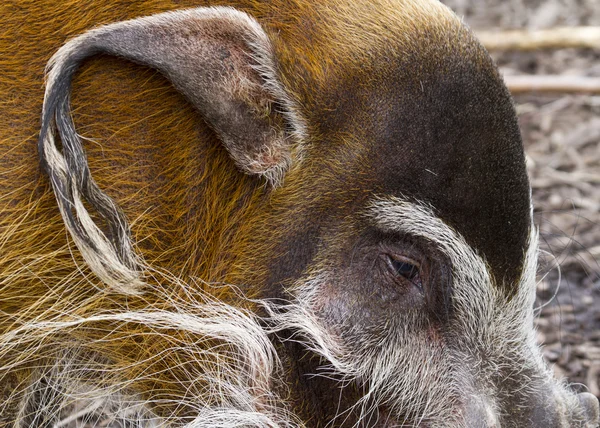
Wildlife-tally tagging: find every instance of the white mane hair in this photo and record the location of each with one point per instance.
(236, 366)
(236, 361)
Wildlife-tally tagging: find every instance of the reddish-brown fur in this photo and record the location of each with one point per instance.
(155, 156)
(148, 148)
(195, 218)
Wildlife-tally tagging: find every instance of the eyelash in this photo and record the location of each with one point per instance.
(407, 269)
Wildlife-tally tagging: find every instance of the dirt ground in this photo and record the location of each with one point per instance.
(561, 133)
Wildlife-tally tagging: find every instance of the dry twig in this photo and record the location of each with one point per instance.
(554, 38)
(555, 83)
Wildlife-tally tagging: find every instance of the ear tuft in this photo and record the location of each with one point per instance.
(223, 62)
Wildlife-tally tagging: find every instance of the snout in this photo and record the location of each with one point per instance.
(581, 411)
(542, 411)
(590, 409)
(558, 411)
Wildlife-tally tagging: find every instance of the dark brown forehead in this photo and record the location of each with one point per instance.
(446, 135)
(456, 145)
(434, 121)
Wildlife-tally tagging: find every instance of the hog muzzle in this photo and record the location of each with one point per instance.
(591, 408)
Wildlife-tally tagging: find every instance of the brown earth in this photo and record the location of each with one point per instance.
(561, 133)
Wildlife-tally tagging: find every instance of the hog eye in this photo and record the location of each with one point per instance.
(405, 268)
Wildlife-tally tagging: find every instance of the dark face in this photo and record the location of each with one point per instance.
(411, 261)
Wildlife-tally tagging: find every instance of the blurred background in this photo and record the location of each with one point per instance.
(561, 133)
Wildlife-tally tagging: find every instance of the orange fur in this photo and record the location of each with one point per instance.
(193, 215)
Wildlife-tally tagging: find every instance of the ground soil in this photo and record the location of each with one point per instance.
(561, 134)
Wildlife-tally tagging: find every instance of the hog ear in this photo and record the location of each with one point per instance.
(222, 61)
